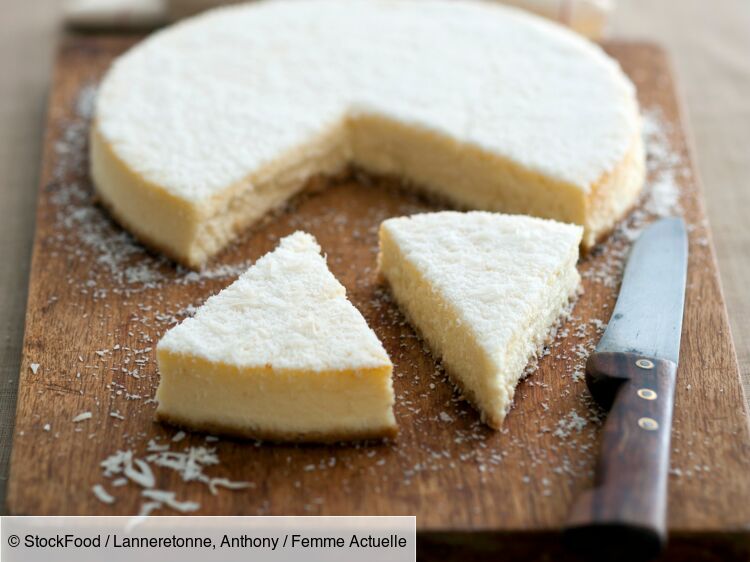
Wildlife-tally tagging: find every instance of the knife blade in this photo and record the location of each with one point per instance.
(632, 372)
(647, 318)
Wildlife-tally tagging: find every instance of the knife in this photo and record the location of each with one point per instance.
(632, 374)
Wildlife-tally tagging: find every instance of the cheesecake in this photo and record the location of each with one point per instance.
(484, 290)
(281, 354)
(205, 126)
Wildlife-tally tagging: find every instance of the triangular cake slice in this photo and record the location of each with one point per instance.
(484, 290)
(280, 354)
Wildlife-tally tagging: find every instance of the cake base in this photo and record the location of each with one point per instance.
(311, 437)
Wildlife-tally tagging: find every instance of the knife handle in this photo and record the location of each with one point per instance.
(625, 513)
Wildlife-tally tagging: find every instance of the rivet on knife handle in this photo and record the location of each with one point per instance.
(625, 513)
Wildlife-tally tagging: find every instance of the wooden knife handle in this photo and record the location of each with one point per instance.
(624, 515)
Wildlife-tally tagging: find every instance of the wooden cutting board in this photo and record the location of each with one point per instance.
(98, 304)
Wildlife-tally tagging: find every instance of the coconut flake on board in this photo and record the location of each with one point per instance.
(189, 463)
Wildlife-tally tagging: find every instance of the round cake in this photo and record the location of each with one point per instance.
(205, 126)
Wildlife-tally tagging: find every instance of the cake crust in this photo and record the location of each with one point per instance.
(146, 241)
(386, 432)
(353, 172)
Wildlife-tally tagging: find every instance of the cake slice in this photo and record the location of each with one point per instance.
(280, 354)
(484, 290)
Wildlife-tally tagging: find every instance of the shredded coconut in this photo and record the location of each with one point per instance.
(188, 463)
(102, 495)
(168, 499)
(82, 417)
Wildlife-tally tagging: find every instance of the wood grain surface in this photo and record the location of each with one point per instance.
(98, 304)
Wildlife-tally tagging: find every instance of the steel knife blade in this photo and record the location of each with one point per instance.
(647, 318)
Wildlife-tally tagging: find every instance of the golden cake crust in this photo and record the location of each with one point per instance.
(279, 436)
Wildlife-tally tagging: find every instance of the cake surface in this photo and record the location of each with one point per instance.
(484, 290)
(203, 127)
(280, 354)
